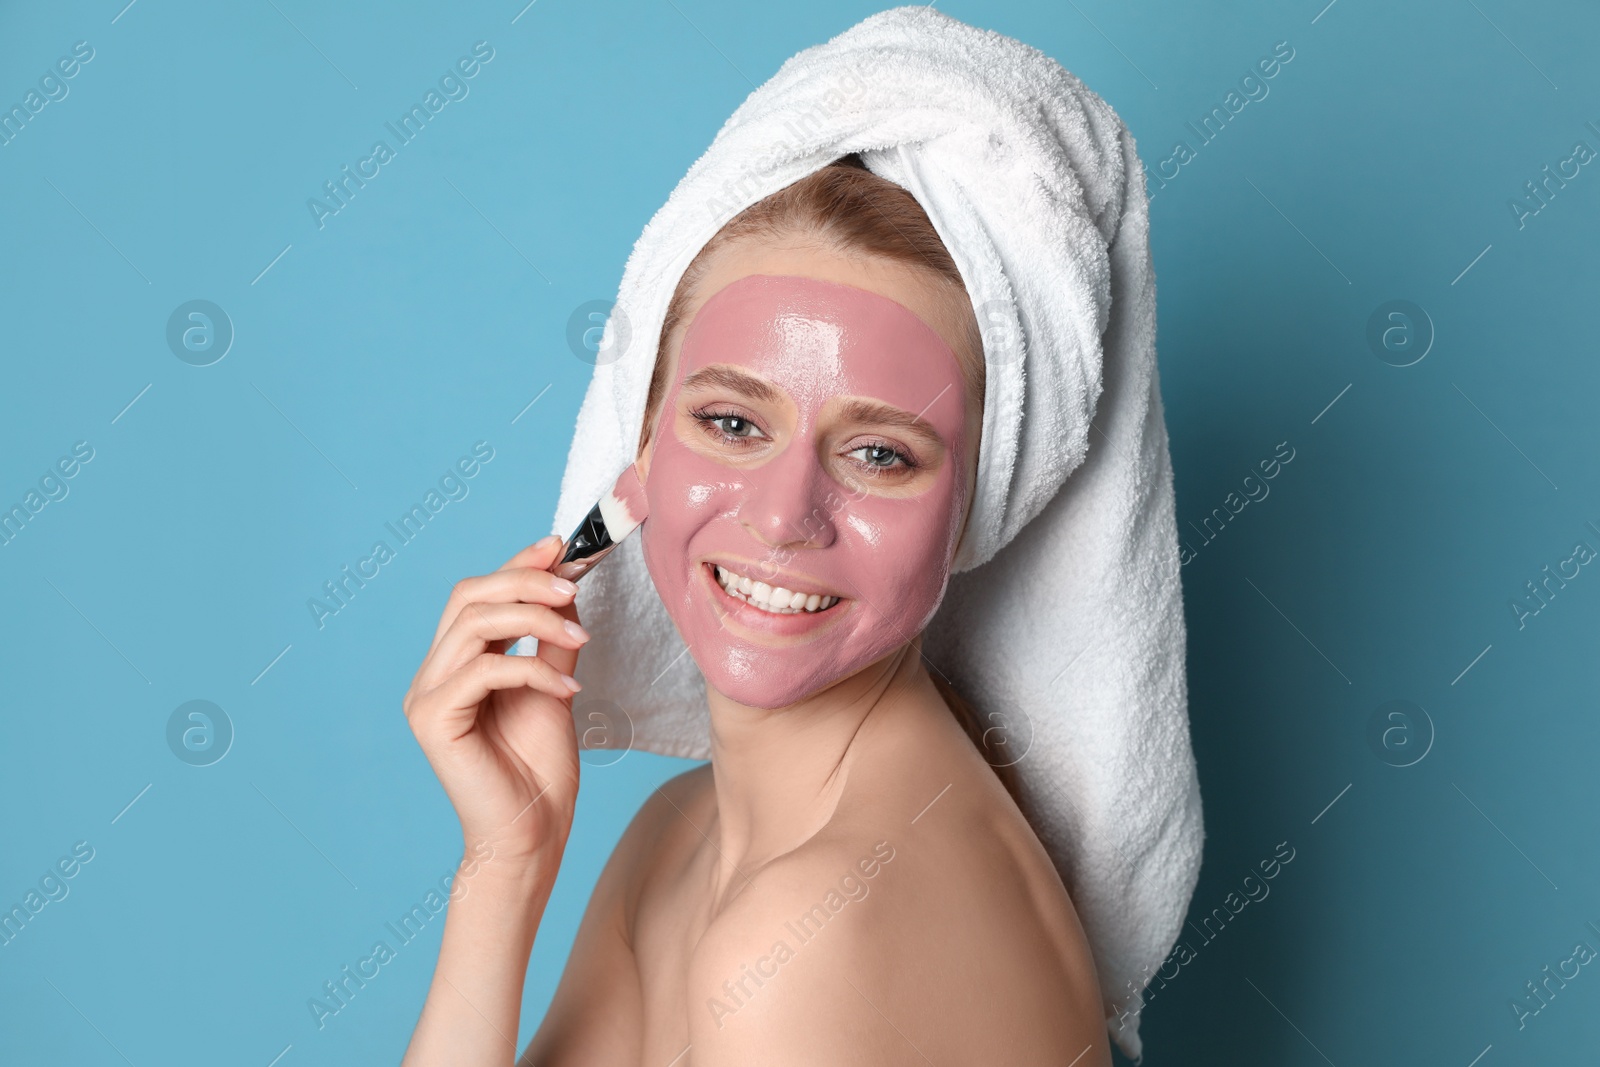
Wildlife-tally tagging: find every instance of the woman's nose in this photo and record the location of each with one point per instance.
(791, 501)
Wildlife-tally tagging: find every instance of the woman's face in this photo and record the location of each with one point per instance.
(809, 471)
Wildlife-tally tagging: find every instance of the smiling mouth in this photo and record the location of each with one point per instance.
(773, 600)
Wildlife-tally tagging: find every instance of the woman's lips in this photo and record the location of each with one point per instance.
(777, 599)
(749, 614)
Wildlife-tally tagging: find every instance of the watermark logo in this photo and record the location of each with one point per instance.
(1552, 981)
(587, 335)
(199, 333)
(852, 887)
(52, 486)
(1399, 332)
(453, 86)
(605, 732)
(1541, 191)
(804, 122)
(1551, 582)
(1007, 737)
(199, 733)
(453, 485)
(1253, 889)
(338, 993)
(1207, 127)
(1254, 488)
(53, 88)
(1004, 331)
(1399, 733)
(52, 887)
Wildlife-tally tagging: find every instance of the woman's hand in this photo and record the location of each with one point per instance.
(497, 728)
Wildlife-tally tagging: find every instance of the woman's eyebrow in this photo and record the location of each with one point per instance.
(876, 413)
(734, 380)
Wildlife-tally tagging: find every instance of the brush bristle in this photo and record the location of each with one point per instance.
(624, 507)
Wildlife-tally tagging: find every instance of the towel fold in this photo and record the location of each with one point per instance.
(1064, 624)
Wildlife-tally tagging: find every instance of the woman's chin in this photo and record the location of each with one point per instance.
(772, 679)
(761, 678)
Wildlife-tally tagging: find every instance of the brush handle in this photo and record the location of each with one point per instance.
(587, 546)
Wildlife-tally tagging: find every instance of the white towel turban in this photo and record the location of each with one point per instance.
(1071, 633)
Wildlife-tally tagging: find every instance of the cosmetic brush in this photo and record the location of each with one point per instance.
(617, 515)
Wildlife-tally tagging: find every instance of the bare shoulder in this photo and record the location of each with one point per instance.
(597, 1013)
(677, 797)
(924, 918)
(662, 828)
(684, 797)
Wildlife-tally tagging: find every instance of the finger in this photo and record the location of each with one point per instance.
(451, 708)
(527, 585)
(561, 658)
(542, 554)
(481, 628)
(530, 584)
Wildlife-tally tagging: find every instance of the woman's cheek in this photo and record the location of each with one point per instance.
(680, 499)
(903, 556)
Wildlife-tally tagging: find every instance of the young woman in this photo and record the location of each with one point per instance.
(848, 880)
(899, 419)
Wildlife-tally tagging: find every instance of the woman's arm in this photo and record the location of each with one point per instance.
(473, 1006)
(597, 1013)
(498, 732)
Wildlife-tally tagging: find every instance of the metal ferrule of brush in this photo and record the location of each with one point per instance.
(587, 546)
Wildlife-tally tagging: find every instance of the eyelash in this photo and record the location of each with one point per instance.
(709, 417)
(906, 462)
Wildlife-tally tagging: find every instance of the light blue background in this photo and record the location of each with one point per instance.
(428, 313)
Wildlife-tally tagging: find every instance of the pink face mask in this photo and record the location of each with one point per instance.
(807, 484)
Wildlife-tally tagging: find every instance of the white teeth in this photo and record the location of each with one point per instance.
(778, 601)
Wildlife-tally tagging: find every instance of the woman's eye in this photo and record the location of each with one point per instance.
(729, 427)
(881, 456)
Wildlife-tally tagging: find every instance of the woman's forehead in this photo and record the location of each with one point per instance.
(816, 339)
(932, 299)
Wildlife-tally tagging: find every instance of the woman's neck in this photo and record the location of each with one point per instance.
(779, 773)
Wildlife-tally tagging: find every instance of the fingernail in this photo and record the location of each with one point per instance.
(547, 541)
(571, 682)
(577, 632)
(563, 586)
